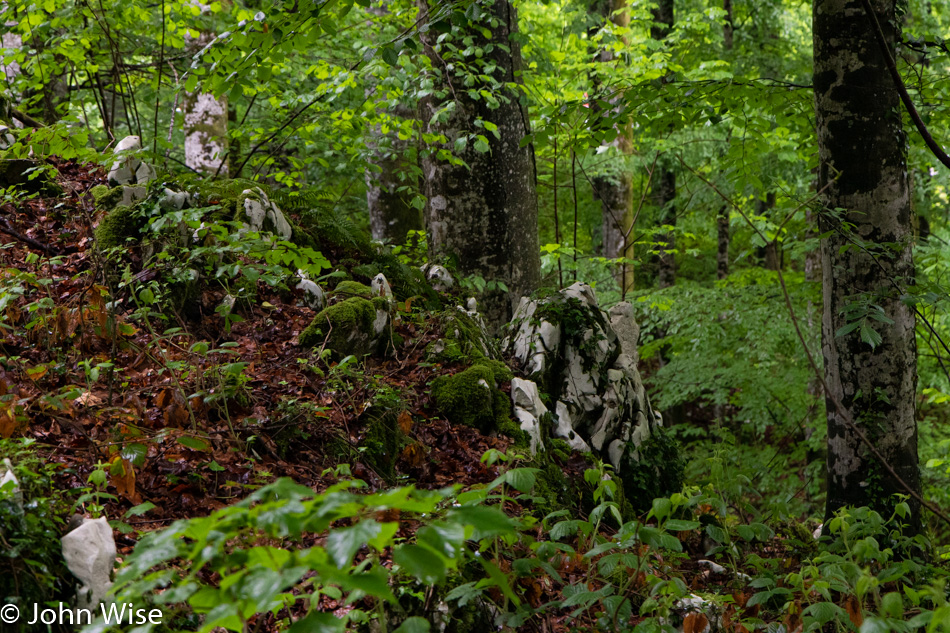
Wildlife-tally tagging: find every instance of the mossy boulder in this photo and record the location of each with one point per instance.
(472, 397)
(349, 288)
(464, 339)
(28, 175)
(355, 326)
(119, 225)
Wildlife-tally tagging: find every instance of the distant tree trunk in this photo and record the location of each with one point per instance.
(206, 126)
(664, 197)
(615, 189)
(863, 180)
(390, 185)
(722, 243)
(664, 178)
(722, 218)
(485, 215)
(771, 254)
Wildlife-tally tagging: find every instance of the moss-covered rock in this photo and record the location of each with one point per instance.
(464, 339)
(472, 397)
(355, 326)
(118, 226)
(349, 288)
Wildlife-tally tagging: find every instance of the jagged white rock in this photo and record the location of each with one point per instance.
(600, 403)
(313, 295)
(381, 288)
(264, 215)
(90, 553)
(528, 410)
(438, 277)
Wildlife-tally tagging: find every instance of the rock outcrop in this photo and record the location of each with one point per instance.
(585, 360)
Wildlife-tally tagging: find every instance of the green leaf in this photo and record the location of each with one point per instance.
(415, 624)
(389, 55)
(317, 622)
(421, 562)
(140, 509)
(194, 443)
(343, 544)
(678, 525)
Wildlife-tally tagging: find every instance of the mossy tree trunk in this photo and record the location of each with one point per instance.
(483, 214)
(865, 257)
(615, 189)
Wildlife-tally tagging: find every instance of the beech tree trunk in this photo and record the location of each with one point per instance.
(863, 172)
(483, 215)
(206, 126)
(615, 189)
(664, 179)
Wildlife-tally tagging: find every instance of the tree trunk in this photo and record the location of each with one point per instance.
(615, 189)
(206, 126)
(722, 243)
(664, 197)
(664, 178)
(722, 218)
(863, 179)
(389, 187)
(484, 215)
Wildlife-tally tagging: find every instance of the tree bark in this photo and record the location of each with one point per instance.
(722, 218)
(615, 189)
(863, 179)
(664, 197)
(722, 243)
(206, 126)
(389, 187)
(664, 178)
(484, 214)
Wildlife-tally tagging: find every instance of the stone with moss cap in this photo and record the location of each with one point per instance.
(117, 227)
(472, 397)
(349, 288)
(354, 326)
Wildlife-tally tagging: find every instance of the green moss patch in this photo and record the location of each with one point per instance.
(347, 328)
(353, 289)
(118, 226)
(472, 397)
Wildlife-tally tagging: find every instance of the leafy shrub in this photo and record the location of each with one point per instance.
(32, 570)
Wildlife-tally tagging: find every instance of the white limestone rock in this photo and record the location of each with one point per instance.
(128, 168)
(438, 277)
(381, 288)
(90, 553)
(528, 409)
(174, 200)
(9, 484)
(7, 140)
(313, 295)
(264, 215)
(587, 358)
